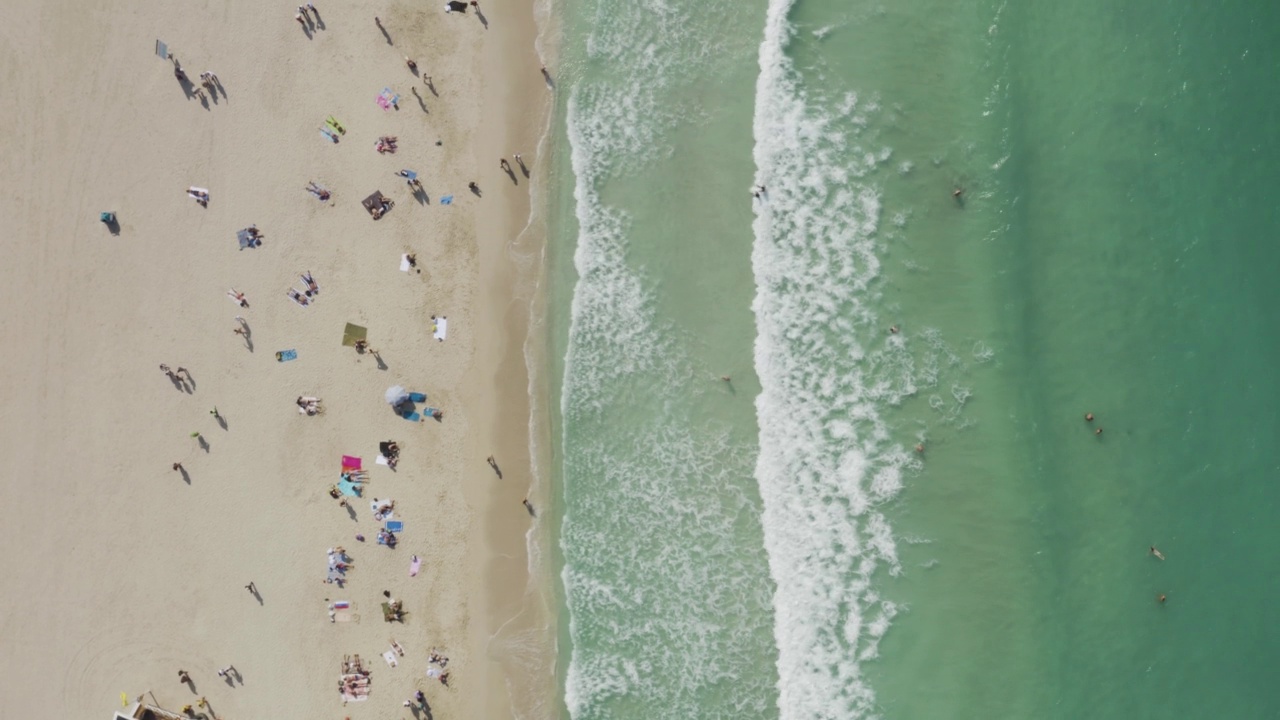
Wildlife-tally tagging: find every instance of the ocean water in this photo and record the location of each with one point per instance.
(774, 546)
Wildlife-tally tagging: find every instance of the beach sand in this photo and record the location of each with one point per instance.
(120, 571)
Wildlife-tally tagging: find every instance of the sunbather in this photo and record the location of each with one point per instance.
(298, 297)
(312, 287)
(318, 191)
(238, 297)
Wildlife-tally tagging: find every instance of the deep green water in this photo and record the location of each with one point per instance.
(722, 545)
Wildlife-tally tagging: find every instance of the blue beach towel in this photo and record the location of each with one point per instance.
(446, 200)
(285, 355)
(394, 526)
(412, 417)
(417, 397)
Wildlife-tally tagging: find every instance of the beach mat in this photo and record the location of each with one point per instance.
(350, 463)
(395, 526)
(346, 616)
(446, 199)
(286, 355)
(442, 328)
(382, 460)
(390, 657)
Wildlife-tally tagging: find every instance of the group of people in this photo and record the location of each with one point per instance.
(309, 405)
(386, 144)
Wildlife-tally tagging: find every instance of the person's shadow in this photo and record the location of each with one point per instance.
(191, 684)
(186, 476)
(381, 364)
(523, 169)
(256, 595)
(351, 511)
(421, 103)
(319, 21)
(222, 421)
(204, 444)
(432, 87)
(483, 20)
(510, 173)
(385, 34)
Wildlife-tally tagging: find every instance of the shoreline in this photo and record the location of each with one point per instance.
(519, 623)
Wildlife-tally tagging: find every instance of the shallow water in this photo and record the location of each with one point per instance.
(772, 546)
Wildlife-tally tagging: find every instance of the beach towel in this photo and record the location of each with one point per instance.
(162, 50)
(350, 488)
(198, 193)
(412, 417)
(245, 239)
(286, 355)
(442, 328)
(345, 616)
(414, 566)
(446, 199)
(342, 605)
(395, 526)
(390, 657)
(404, 263)
(429, 411)
(335, 125)
(417, 397)
(382, 460)
(328, 135)
(350, 463)
(387, 99)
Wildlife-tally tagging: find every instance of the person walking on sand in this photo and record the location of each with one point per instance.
(506, 166)
(183, 676)
(177, 467)
(301, 22)
(1157, 553)
(251, 588)
(528, 505)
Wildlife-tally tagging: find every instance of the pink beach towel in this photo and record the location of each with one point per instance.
(414, 566)
(350, 463)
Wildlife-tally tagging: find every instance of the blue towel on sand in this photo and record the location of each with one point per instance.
(284, 355)
(446, 200)
(417, 397)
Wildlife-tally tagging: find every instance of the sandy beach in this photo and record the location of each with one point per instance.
(120, 570)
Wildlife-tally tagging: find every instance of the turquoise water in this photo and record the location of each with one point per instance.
(772, 546)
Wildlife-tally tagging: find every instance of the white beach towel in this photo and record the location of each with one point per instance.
(390, 657)
(382, 460)
(442, 328)
(404, 263)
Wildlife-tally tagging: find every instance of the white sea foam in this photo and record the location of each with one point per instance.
(666, 610)
(827, 464)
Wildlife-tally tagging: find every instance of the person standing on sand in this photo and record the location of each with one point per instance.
(183, 677)
(251, 588)
(177, 467)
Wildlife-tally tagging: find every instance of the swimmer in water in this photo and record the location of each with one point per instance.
(1156, 552)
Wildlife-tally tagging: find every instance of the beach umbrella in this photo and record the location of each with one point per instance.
(396, 395)
(353, 333)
